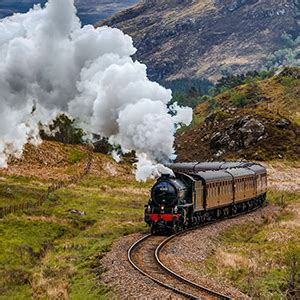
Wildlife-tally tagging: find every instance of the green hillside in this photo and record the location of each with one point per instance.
(259, 120)
(54, 250)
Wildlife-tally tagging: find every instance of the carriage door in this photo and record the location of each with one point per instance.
(198, 196)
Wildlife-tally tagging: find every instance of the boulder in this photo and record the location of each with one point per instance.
(252, 131)
(283, 123)
(76, 212)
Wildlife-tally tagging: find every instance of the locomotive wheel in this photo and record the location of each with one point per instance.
(175, 229)
(194, 221)
(198, 220)
(234, 209)
(153, 229)
(219, 213)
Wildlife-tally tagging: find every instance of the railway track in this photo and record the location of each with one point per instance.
(144, 256)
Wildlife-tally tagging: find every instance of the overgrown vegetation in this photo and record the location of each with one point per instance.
(192, 92)
(63, 129)
(267, 104)
(75, 156)
(189, 92)
(263, 261)
(56, 250)
(184, 85)
(230, 81)
(289, 55)
(18, 190)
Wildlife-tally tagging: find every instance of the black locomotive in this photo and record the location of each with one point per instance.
(201, 192)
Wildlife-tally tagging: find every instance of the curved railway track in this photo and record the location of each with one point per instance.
(144, 256)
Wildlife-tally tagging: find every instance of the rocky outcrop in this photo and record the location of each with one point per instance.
(242, 133)
(208, 37)
(250, 136)
(291, 72)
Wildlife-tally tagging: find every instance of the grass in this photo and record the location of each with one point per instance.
(53, 253)
(278, 196)
(17, 190)
(75, 155)
(22, 244)
(261, 260)
(265, 100)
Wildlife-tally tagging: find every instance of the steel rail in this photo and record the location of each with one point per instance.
(179, 277)
(172, 273)
(130, 252)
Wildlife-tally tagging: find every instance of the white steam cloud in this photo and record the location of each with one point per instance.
(47, 60)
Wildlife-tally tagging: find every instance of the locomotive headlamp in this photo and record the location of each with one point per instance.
(149, 209)
(162, 207)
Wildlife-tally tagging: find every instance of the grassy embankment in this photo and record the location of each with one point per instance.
(263, 261)
(52, 253)
(270, 102)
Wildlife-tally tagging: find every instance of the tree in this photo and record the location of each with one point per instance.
(63, 129)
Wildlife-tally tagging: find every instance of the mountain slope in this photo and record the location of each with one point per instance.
(203, 38)
(89, 12)
(259, 120)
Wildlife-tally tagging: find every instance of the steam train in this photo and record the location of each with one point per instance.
(205, 191)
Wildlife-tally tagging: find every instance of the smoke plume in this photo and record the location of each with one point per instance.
(50, 62)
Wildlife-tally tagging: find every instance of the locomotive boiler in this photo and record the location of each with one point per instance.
(201, 192)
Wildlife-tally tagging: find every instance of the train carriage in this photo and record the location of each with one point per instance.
(217, 188)
(196, 193)
(244, 184)
(261, 178)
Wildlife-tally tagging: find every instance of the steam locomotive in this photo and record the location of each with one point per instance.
(206, 191)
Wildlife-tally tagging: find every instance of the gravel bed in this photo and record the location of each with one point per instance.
(126, 282)
(194, 247)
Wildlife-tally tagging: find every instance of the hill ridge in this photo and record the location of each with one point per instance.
(259, 120)
(205, 38)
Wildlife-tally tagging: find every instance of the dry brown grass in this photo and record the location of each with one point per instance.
(283, 176)
(234, 260)
(49, 288)
(51, 161)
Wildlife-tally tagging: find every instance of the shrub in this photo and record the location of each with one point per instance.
(64, 130)
(239, 100)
